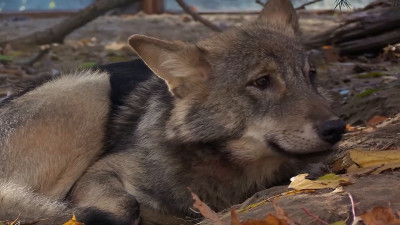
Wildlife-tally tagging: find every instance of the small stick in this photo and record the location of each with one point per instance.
(313, 216)
(197, 17)
(44, 50)
(356, 219)
(260, 2)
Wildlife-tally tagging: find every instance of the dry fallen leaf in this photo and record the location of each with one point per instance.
(73, 221)
(375, 162)
(331, 180)
(350, 128)
(204, 209)
(282, 216)
(15, 222)
(380, 216)
(278, 218)
(376, 120)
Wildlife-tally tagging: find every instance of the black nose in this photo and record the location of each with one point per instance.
(331, 131)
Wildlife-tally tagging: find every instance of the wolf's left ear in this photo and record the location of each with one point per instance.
(182, 66)
(280, 12)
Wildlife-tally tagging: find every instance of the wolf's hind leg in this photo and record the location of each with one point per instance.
(104, 195)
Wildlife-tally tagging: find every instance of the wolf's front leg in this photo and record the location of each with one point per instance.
(104, 199)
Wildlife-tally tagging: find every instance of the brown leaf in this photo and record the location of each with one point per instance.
(376, 120)
(205, 210)
(380, 216)
(234, 217)
(350, 128)
(278, 218)
(281, 215)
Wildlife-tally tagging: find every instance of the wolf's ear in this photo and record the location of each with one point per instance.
(280, 12)
(181, 65)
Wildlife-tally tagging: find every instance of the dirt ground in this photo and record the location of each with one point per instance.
(361, 87)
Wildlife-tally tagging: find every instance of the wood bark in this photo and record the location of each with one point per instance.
(369, 30)
(58, 32)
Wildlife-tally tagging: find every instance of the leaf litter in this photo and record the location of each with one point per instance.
(300, 182)
(73, 221)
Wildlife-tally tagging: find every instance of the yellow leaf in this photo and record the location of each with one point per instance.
(354, 169)
(333, 181)
(330, 176)
(377, 158)
(341, 222)
(73, 221)
(15, 221)
(391, 166)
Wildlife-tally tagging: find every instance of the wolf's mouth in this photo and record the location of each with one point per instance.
(277, 148)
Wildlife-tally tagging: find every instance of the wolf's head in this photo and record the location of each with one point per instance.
(250, 87)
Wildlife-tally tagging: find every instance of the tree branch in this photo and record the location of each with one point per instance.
(197, 17)
(57, 33)
(260, 2)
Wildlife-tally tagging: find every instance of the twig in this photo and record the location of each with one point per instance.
(197, 17)
(353, 210)
(260, 2)
(356, 219)
(44, 50)
(313, 216)
(306, 4)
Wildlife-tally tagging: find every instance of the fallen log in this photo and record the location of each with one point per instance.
(368, 30)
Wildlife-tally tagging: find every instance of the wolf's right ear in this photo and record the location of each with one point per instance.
(182, 66)
(280, 12)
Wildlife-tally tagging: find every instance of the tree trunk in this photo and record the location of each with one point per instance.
(57, 33)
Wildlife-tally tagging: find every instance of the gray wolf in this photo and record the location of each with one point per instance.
(227, 116)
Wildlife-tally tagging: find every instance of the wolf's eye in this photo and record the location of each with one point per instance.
(262, 82)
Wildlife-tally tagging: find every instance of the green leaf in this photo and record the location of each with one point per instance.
(6, 58)
(330, 176)
(341, 222)
(371, 75)
(87, 65)
(367, 92)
